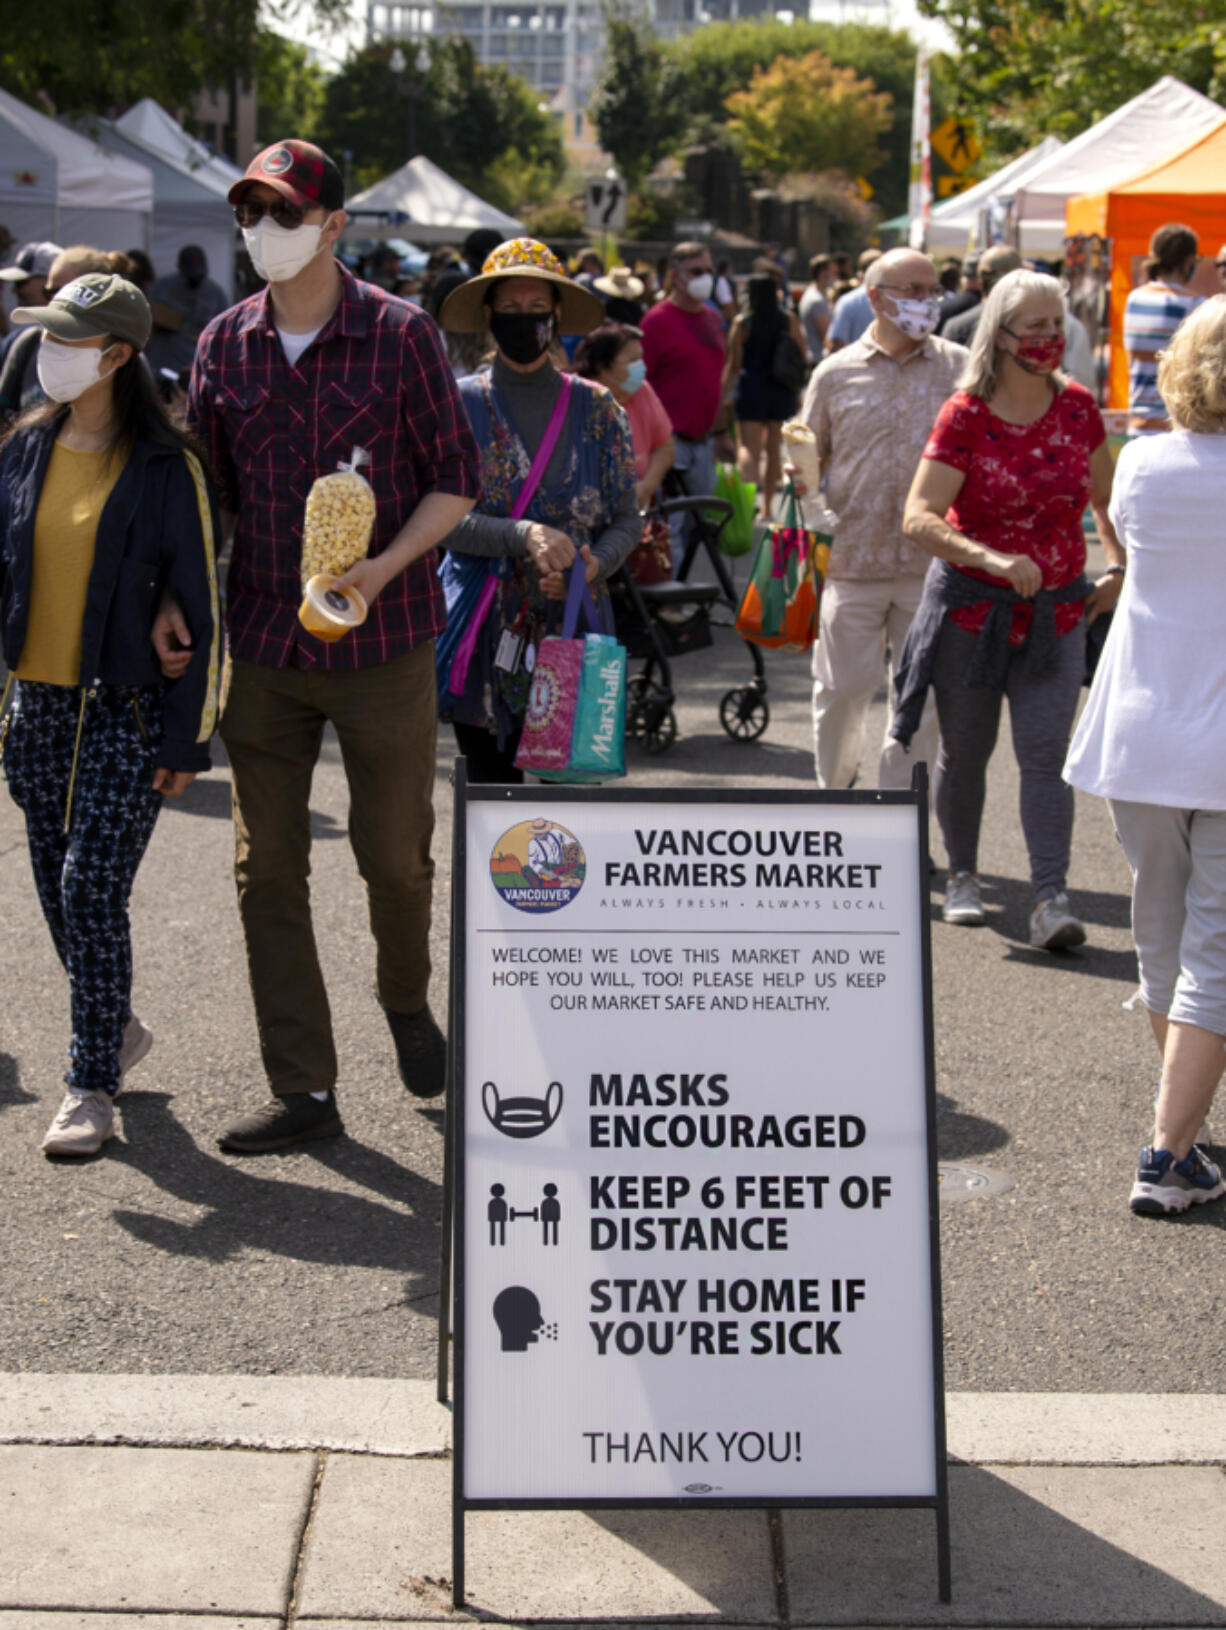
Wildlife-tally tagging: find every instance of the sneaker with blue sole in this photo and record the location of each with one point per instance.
(1166, 1186)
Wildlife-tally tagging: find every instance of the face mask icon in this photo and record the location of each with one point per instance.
(517, 1314)
(522, 1117)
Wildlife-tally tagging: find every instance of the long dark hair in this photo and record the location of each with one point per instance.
(137, 412)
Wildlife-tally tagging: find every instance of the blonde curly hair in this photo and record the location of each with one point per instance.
(1192, 370)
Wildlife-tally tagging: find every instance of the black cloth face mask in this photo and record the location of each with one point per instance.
(522, 336)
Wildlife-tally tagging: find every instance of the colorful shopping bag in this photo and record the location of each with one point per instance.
(780, 604)
(736, 535)
(575, 725)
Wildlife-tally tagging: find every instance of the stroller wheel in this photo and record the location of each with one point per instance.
(659, 729)
(745, 713)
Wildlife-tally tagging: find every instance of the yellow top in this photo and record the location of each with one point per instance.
(75, 490)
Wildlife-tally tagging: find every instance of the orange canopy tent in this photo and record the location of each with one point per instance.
(1188, 186)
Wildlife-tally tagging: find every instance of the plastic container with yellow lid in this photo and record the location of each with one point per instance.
(327, 613)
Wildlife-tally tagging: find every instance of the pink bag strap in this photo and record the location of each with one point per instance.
(457, 678)
(548, 442)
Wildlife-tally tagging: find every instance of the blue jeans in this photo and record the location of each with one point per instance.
(696, 460)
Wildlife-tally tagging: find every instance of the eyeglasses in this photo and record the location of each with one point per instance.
(914, 291)
(250, 212)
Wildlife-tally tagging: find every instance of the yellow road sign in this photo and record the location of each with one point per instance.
(957, 143)
(864, 189)
(949, 185)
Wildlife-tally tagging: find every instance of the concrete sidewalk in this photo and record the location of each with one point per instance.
(231, 1503)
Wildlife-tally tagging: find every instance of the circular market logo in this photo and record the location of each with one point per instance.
(538, 866)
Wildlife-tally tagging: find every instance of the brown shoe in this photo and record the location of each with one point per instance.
(421, 1052)
(282, 1122)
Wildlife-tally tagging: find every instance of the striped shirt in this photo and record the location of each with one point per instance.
(375, 376)
(1152, 313)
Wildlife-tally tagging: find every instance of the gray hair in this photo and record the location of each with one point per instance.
(998, 311)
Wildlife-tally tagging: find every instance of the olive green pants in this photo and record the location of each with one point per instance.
(272, 724)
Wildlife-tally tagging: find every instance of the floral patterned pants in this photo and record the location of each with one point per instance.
(80, 766)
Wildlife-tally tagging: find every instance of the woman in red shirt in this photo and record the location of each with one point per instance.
(1014, 457)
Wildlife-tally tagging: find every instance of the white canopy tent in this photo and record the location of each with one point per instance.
(430, 205)
(148, 122)
(954, 223)
(1159, 121)
(61, 187)
(189, 193)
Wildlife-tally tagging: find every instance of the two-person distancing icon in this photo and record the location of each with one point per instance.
(548, 1214)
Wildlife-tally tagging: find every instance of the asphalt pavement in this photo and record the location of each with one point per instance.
(164, 1256)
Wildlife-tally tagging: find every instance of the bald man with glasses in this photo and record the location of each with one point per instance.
(871, 406)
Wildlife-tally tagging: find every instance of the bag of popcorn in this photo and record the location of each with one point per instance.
(340, 516)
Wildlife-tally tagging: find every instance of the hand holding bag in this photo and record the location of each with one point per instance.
(477, 579)
(779, 608)
(575, 725)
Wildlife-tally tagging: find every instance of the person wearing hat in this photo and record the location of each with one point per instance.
(19, 384)
(27, 276)
(184, 303)
(103, 505)
(622, 293)
(581, 515)
(284, 386)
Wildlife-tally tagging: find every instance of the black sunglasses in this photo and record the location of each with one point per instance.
(250, 212)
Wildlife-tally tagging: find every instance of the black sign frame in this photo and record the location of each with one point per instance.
(452, 1319)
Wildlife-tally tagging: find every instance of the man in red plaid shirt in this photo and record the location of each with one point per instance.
(285, 386)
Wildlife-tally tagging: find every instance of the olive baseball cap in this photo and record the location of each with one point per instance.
(97, 303)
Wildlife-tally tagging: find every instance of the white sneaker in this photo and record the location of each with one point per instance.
(962, 903)
(82, 1124)
(137, 1040)
(1053, 926)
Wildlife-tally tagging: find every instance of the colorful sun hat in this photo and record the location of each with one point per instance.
(464, 310)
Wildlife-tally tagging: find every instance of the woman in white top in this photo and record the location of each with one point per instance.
(1152, 741)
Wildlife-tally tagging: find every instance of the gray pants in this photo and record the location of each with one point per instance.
(697, 460)
(1178, 861)
(1041, 717)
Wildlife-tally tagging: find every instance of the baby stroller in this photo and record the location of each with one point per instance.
(659, 621)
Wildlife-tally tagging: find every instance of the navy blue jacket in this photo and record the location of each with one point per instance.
(157, 530)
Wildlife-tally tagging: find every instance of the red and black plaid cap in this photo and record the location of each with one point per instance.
(299, 171)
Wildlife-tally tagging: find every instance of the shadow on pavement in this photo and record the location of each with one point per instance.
(209, 798)
(1024, 1553)
(12, 1092)
(247, 1209)
(960, 1136)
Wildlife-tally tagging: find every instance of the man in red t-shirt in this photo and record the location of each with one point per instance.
(683, 347)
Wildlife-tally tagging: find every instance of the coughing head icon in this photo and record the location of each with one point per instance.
(519, 1319)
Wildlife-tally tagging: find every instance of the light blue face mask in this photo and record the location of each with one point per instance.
(636, 374)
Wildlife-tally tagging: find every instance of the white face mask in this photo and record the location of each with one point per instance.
(64, 371)
(916, 318)
(280, 252)
(699, 288)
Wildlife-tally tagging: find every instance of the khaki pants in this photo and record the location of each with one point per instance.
(859, 621)
(272, 724)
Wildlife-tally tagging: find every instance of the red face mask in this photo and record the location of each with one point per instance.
(1038, 353)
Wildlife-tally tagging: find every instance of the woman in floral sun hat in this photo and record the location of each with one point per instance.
(581, 512)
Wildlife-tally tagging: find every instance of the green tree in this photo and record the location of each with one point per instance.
(110, 53)
(290, 88)
(470, 120)
(713, 63)
(635, 106)
(803, 113)
(1031, 68)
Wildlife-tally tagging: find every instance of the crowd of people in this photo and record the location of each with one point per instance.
(522, 419)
